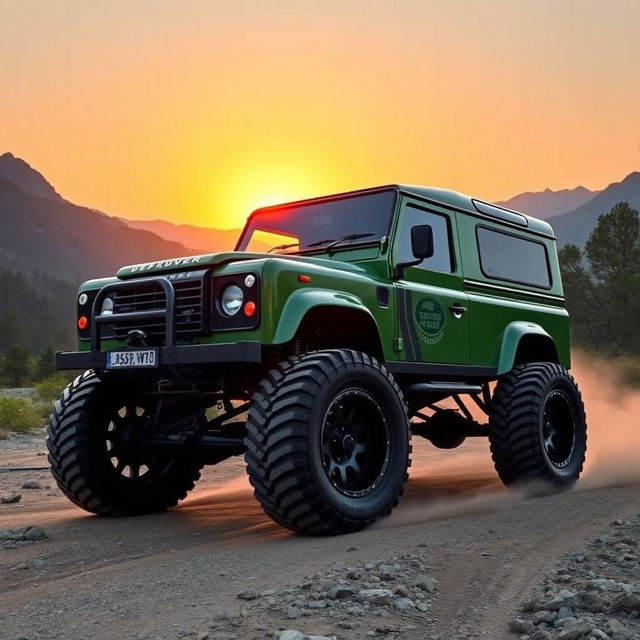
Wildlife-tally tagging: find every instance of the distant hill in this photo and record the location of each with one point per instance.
(202, 239)
(576, 225)
(548, 203)
(27, 180)
(40, 231)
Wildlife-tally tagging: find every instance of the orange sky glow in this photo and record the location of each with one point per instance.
(199, 111)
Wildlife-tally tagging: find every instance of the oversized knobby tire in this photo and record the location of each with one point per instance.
(537, 427)
(328, 442)
(94, 458)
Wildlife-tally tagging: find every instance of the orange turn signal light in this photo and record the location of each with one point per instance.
(83, 323)
(249, 309)
(302, 278)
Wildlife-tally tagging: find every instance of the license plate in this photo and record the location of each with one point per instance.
(138, 358)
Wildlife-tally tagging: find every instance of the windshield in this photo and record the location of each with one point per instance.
(291, 228)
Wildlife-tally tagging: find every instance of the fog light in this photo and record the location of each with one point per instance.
(82, 299)
(107, 307)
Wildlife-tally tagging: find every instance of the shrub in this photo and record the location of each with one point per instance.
(52, 387)
(18, 414)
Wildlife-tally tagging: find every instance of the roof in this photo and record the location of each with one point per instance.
(445, 197)
(466, 203)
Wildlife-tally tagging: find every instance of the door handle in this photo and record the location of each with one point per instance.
(457, 310)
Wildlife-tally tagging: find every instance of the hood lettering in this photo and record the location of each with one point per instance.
(164, 264)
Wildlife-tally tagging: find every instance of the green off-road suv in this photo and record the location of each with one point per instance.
(316, 349)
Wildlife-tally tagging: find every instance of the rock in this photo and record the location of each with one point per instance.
(288, 634)
(319, 638)
(592, 602)
(350, 549)
(427, 584)
(540, 634)
(520, 625)
(340, 592)
(422, 606)
(34, 533)
(11, 498)
(386, 629)
(267, 592)
(563, 612)
(185, 633)
(38, 563)
(598, 634)
(247, 595)
(562, 598)
(293, 613)
(354, 575)
(387, 572)
(403, 604)
(203, 635)
(31, 484)
(626, 602)
(317, 604)
(224, 615)
(574, 632)
(376, 596)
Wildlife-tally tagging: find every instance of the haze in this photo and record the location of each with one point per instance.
(197, 112)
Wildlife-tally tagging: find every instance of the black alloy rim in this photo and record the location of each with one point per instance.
(355, 444)
(558, 429)
(127, 457)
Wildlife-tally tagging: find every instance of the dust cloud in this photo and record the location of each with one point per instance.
(463, 482)
(613, 423)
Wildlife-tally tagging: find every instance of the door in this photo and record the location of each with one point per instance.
(433, 318)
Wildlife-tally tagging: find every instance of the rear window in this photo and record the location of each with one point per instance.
(504, 256)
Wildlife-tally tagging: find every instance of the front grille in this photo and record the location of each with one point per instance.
(189, 308)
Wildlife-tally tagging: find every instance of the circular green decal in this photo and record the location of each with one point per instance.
(430, 318)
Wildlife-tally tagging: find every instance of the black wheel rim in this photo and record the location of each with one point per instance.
(128, 459)
(558, 429)
(354, 443)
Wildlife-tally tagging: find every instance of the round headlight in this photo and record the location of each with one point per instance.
(107, 307)
(250, 280)
(231, 300)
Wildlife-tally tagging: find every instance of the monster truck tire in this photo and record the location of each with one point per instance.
(537, 427)
(90, 438)
(328, 442)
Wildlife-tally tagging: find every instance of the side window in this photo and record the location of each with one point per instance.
(508, 257)
(413, 217)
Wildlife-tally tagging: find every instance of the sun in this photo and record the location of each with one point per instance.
(263, 184)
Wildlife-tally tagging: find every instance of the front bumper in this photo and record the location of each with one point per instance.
(191, 354)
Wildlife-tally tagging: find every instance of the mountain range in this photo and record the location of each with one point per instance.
(43, 232)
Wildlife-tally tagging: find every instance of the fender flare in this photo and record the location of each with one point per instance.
(510, 341)
(301, 302)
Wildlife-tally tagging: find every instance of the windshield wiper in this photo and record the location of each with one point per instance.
(335, 242)
(282, 247)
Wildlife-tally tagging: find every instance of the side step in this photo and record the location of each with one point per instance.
(447, 388)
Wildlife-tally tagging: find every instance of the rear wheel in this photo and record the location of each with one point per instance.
(328, 442)
(537, 426)
(96, 457)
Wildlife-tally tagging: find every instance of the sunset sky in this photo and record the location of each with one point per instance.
(197, 111)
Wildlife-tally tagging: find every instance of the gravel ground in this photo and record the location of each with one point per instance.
(593, 593)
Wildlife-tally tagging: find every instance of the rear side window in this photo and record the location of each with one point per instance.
(504, 256)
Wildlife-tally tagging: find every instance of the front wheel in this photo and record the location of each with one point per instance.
(96, 457)
(537, 427)
(328, 442)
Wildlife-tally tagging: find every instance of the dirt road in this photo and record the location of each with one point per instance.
(169, 575)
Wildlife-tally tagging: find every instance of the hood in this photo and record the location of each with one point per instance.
(219, 259)
(190, 262)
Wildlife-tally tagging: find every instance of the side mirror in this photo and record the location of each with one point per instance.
(421, 247)
(422, 242)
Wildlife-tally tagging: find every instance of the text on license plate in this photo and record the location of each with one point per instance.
(139, 358)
